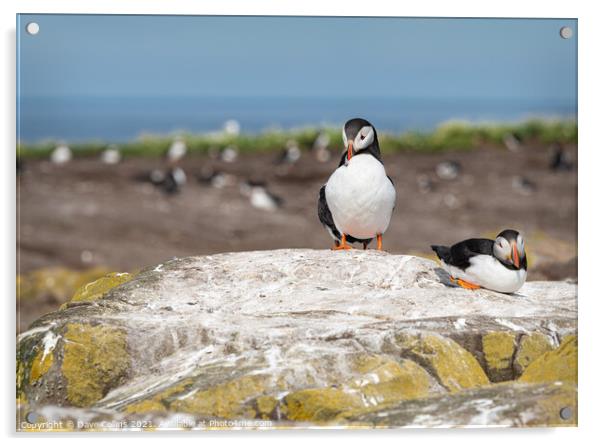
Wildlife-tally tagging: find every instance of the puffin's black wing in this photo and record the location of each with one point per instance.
(325, 215)
(461, 252)
(443, 252)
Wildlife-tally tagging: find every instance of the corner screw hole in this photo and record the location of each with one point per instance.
(566, 32)
(566, 413)
(32, 28)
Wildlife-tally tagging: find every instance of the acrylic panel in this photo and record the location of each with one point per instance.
(289, 222)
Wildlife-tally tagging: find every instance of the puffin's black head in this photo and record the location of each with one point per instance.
(509, 248)
(359, 134)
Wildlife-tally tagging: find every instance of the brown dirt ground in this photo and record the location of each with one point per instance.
(126, 224)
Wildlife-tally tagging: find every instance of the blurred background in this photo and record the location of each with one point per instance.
(142, 138)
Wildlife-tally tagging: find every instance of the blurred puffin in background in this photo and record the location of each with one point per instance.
(170, 181)
(499, 265)
(320, 147)
(176, 151)
(288, 157)
(259, 196)
(357, 201)
(111, 155)
(559, 160)
(174, 180)
(62, 154)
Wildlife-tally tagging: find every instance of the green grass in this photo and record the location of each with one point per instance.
(454, 135)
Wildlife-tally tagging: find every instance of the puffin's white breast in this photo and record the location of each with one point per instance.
(488, 272)
(361, 198)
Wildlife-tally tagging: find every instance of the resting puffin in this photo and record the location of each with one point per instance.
(498, 265)
(357, 201)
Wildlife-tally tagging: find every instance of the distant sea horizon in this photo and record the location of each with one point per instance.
(120, 119)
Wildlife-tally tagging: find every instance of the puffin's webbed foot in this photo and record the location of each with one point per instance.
(464, 284)
(343, 245)
(342, 248)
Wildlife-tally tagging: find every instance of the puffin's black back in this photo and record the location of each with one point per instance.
(459, 254)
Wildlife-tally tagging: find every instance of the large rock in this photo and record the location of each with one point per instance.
(297, 336)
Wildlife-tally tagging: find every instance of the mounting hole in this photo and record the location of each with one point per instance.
(566, 413)
(566, 32)
(32, 28)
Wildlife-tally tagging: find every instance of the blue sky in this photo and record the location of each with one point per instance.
(296, 56)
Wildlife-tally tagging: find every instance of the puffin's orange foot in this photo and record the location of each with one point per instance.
(379, 242)
(342, 245)
(341, 248)
(464, 284)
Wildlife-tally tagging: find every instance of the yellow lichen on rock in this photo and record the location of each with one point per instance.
(97, 289)
(145, 406)
(381, 382)
(58, 282)
(531, 347)
(454, 367)
(388, 381)
(40, 365)
(498, 350)
(556, 365)
(160, 402)
(20, 375)
(95, 360)
(323, 404)
(224, 400)
(265, 405)
(364, 363)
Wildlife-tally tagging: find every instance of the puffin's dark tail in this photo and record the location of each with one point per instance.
(443, 252)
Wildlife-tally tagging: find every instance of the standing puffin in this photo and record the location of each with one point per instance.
(356, 203)
(176, 151)
(62, 154)
(498, 265)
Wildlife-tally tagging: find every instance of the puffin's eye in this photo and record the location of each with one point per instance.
(362, 137)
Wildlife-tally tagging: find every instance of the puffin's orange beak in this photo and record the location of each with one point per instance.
(349, 150)
(515, 258)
